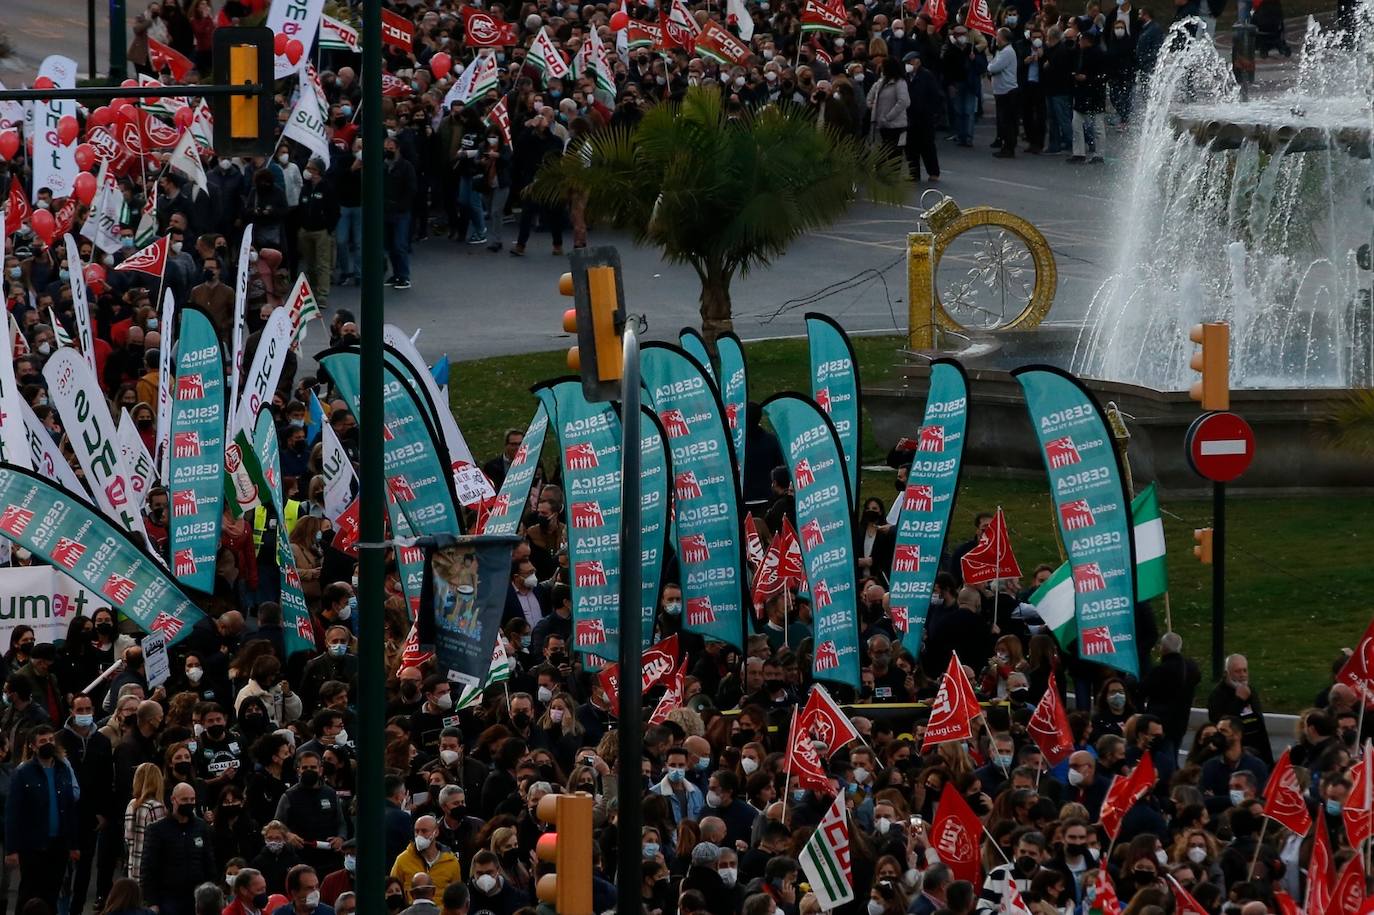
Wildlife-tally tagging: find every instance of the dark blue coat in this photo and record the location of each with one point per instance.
(26, 814)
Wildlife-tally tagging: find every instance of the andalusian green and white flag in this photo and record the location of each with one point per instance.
(303, 307)
(146, 232)
(546, 58)
(337, 36)
(501, 670)
(1054, 599)
(1151, 568)
(60, 332)
(825, 859)
(601, 64)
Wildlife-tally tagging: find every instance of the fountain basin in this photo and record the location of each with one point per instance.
(1280, 124)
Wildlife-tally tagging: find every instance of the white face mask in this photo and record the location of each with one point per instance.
(531, 581)
(860, 775)
(487, 883)
(283, 158)
(882, 825)
(712, 799)
(728, 875)
(911, 68)
(422, 843)
(875, 907)
(1197, 854)
(1075, 777)
(739, 82)
(444, 702)
(225, 164)
(749, 764)
(1161, 856)
(448, 756)
(341, 738)
(312, 898)
(771, 76)
(898, 33)
(1237, 796)
(545, 694)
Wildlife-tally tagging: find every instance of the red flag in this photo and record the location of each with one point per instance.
(1124, 791)
(1320, 872)
(18, 209)
(782, 566)
(1358, 670)
(483, 30)
(411, 655)
(346, 528)
(956, 835)
(935, 9)
(753, 542)
(152, 259)
(64, 216)
(955, 708)
(672, 696)
(1049, 727)
(161, 57)
(395, 87)
(1107, 902)
(1357, 812)
(1348, 898)
(1283, 801)
(659, 660)
(823, 720)
(979, 18)
(1184, 903)
(397, 31)
(500, 116)
(804, 762)
(1286, 904)
(992, 557)
(824, 16)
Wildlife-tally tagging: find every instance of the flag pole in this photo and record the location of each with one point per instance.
(1259, 843)
(992, 740)
(1169, 620)
(996, 846)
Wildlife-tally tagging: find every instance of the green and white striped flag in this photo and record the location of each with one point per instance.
(58, 331)
(1054, 599)
(1151, 568)
(825, 859)
(501, 666)
(337, 36)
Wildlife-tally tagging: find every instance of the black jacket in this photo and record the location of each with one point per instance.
(177, 857)
(92, 759)
(1090, 93)
(1167, 691)
(28, 807)
(319, 206)
(401, 185)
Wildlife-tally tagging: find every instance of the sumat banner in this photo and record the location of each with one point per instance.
(44, 598)
(812, 447)
(54, 165)
(706, 510)
(464, 595)
(734, 394)
(1092, 509)
(654, 473)
(418, 483)
(835, 387)
(295, 615)
(511, 501)
(196, 489)
(923, 518)
(73, 536)
(589, 445)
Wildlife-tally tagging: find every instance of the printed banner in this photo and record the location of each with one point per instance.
(470, 484)
(231, 396)
(80, 303)
(734, 394)
(136, 458)
(274, 343)
(102, 222)
(42, 454)
(164, 385)
(509, 507)
(1092, 510)
(589, 447)
(54, 165)
(90, 429)
(706, 513)
(70, 534)
(299, 20)
(923, 518)
(44, 598)
(295, 615)
(306, 124)
(812, 446)
(654, 473)
(835, 388)
(338, 36)
(13, 448)
(694, 345)
(338, 474)
(465, 594)
(194, 481)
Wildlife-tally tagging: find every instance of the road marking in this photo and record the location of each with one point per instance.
(854, 241)
(1029, 187)
(1224, 446)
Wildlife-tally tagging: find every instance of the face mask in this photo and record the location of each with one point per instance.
(1012, 20)
(64, 274)
(875, 907)
(739, 82)
(712, 799)
(85, 721)
(898, 33)
(1197, 854)
(45, 348)
(16, 272)
(767, 53)
(341, 738)
(673, 608)
(422, 843)
(274, 847)
(650, 850)
(1333, 807)
(395, 902)
(346, 613)
(449, 757)
(346, 110)
(186, 810)
(444, 702)
(260, 901)
(225, 164)
(728, 875)
(962, 40)
(43, 205)
(531, 581)
(193, 674)
(350, 863)
(1119, 32)
(127, 242)
(545, 694)
(283, 158)
(1003, 761)
(677, 775)
(1075, 850)
(339, 650)
(1037, 43)
(749, 764)
(1026, 864)
(882, 825)
(1075, 777)
(1161, 856)
(487, 884)
(176, 247)
(556, 715)
(1020, 695)
(47, 752)
(911, 68)
(1116, 701)
(312, 899)
(860, 774)
(798, 795)
(310, 779)
(771, 76)
(1236, 796)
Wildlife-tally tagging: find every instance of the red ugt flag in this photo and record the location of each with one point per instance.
(1348, 898)
(824, 720)
(951, 717)
(1283, 801)
(152, 259)
(956, 835)
(18, 209)
(162, 57)
(1358, 670)
(1049, 727)
(1184, 903)
(1320, 873)
(1108, 903)
(992, 557)
(1358, 817)
(803, 761)
(979, 18)
(1125, 790)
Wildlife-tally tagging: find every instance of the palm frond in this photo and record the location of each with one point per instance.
(1351, 425)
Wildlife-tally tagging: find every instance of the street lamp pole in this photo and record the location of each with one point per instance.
(119, 63)
(372, 864)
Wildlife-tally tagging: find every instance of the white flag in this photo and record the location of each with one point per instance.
(338, 474)
(164, 387)
(306, 124)
(13, 449)
(825, 859)
(136, 457)
(299, 20)
(736, 10)
(203, 126)
(186, 160)
(236, 350)
(80, 305)
(461, 87)
(261, 381)
(54, 165)
(102, 225)
(47, 459)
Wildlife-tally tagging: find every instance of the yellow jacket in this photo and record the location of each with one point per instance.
(443, 871)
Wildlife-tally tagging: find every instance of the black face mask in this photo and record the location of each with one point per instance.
(1026, 864)
(47, 752)
(260, 901)
(1075, 849)
(182, 768)
(395, 902)
(774, 685)
(1020, 695)
(410, 690)
(105, 629)
(310, 779)
(186, 810)
(215, 733)
(521, 720)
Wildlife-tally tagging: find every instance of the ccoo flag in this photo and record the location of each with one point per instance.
(825, 859)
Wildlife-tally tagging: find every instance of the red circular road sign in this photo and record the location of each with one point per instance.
(1220, 446)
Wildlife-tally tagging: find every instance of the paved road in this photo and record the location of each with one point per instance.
(37, 28)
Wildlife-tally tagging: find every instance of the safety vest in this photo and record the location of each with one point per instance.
(260, 516)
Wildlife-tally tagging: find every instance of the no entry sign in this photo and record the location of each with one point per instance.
(1220, 446)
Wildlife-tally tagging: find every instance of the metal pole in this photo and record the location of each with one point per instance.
(372, 864)
(119, 61)
(109, 94)
(90, 40)
(1218, 579)
(629, 786)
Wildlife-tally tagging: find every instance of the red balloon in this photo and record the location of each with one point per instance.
(129, 82)
(9, 144)
(43, 225)
(43, 82)
(279, 44)
(620, 20)
(184, 117)
(101, 117)
(67, 129)
(294, 50)
(83, 188)
(440, 64)
(95, 277)
(85, 156)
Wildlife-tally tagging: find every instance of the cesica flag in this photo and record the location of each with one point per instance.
(196, 489)
(923, 519)
(812, 450)
(655, 472)
(65, 531)
(299, 632)
(835, 387)
(1092, 509)
(589, 444)
(706, 509)
(512, 500)
(734, 392)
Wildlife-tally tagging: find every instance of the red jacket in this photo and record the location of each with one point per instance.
(236, 907)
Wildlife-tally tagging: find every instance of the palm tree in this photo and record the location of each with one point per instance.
(1351, 424)
(723, 193)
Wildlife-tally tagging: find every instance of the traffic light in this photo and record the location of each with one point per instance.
(569, 848)
(1213, 361)
(598, 319)
(245, 125)
(1203, 550)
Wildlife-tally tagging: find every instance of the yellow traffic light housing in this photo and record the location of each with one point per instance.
(1203, 549)
(245, 124)
(598, 319)
(569, 848)
(1213, 362)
